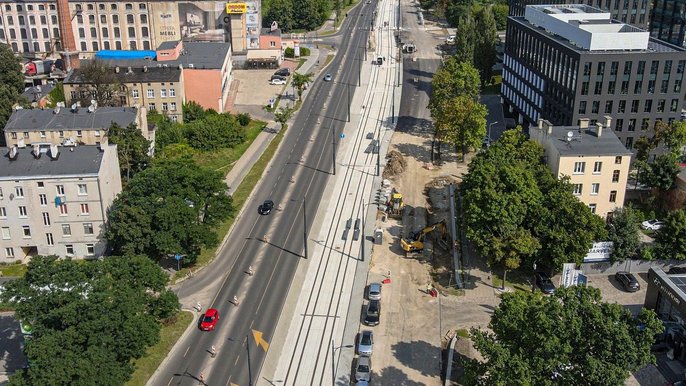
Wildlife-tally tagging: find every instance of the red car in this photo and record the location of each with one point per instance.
(209, 320)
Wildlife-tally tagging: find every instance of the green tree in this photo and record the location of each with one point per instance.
(484, 50)
(623, 231)
(98, 82)
(192, 111)
(300, 81)
(465, 40)
(670, 240)
(76, 340)
(571, 338)
(500, 12)
(56, 95)
(283, 115)
(661, 173)
(7, 99)
(170, 207)
(454, 79)
(457, 10)
(461, 122)
(132, 149)
(306, 14)
(214, 131)
(280, 11)
(10, 70)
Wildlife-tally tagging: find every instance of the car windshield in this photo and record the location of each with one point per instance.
(366, 339)
(362, 369)
(208, 319)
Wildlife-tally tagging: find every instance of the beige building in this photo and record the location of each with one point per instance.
(593, 158)
(66, 126)
(155, 88)
(54, 201)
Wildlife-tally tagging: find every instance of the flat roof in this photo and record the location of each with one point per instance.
(586, 142)
(202, 55)
(77, 160)
(66, 119)
(151, 74)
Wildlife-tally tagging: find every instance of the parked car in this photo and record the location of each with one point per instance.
(327, 78)
(266, 207)
(374, 291)
(277, 81)
(209, 320)
(283, 72)
(450, 39)
(363, 371)
(282, 77)
(366, 343)
(373, 313)
(544, 283)
(628, 281)
(652, 225)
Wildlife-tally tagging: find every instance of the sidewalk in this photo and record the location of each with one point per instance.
(249, 158)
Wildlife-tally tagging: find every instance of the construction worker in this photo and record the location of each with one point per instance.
(250, 270)
(235, 300)
(213, 351)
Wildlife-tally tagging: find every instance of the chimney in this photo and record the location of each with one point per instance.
(599, 129)
(548, 126)
(116, 69)
(67, 35)
(36, 151)
(54, 152)
(145, 68)
(540, 123)
(129, 70)
(608, 121)
(583, 124)
(13, 153)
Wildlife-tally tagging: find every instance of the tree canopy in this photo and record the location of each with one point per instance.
(169, 208)
(300, 81)
(132, 149)
(89, 319)
(454, 79)
(623, 231)
(486, 37)
(571, 337)
(11, 85)
(670, 240)
(100, 83)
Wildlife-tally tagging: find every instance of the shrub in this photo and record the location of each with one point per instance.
(304, 51)
(289, 52)
(244, 119)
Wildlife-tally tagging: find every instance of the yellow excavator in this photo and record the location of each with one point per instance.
(395, 205)
(415, 243)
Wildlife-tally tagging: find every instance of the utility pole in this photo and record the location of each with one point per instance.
(347, 87)
(359, 71)
(305, 225)
(247, 346)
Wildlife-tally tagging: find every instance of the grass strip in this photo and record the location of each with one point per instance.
(154, 355)
(224, 159)
(13, 270)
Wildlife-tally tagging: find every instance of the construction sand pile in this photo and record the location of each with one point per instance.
(396, 164)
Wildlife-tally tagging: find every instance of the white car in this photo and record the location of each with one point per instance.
(652, 225)
(277, 81)
(450, 39)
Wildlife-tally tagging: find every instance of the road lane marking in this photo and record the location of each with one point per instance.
(184, 354)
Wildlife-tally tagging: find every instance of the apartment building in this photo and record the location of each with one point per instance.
(62, 126)
(593, 158)
(54, 201)
(155, 88)
(634, 12)
(34, 26)
(563, 63)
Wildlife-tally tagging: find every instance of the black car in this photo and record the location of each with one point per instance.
(283, 72)
(628, 281)
(266, 207)
(373, 314)
(544, 283)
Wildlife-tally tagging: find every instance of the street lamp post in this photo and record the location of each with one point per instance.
(305, 226)
(489, 132)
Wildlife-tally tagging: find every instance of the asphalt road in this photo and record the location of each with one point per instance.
(273, 244)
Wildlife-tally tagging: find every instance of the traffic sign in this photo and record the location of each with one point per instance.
(342, 135)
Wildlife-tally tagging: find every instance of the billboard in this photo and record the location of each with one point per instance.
(194, 21)
(252, 24)
(236, 8)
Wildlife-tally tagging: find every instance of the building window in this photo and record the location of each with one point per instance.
(592, 207)
(163, 93)
(129, 19)
(87, 228)
(579, 167)
(632, 124)
(174, 118)
(79, 133)
(151, 107)
(6, 233)
(66, 230)
(615, 176)
(629, 143)
(70, 249)
(608, 107)
(634, 106)
(673, 106)
(60, 190)
(622, 107)
(165, 107)
(3, 212)
(83, 189)
(46, 218)
(97, 133)
(9, 252)
(63, 210)
(14, 133)
(618, 159)
(84, 209)
(50, 240)
(134, 94)
(584, 88)
(151, 93)
(132, 34)
(113, 7)
(90, 249)
(84, 46)
(172, 93)
(578, 188)
(141, 6)
(597, 167)
(19, 192)
(613, 196)
(595, 187)
(661, 106)
(611, 87)
(582, 107)
(23, 212)
(129, 6)
(645, 122)
(144, 19)
(42, 134)
(26, 230)
(648, 106)
(172, 106)
(595, 107)
(43, 199)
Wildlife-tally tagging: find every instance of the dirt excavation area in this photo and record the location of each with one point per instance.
(415, 325)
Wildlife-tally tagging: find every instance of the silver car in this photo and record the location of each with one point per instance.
(366, 343)
(374, 292)
(363, 372)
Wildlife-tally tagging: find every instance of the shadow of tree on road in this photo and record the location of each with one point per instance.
(418, 355)
(421, 153)
(393, 376)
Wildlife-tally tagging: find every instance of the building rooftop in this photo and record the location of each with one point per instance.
(270, 32)
(573, 141)
(34, 93)
(71, 161)
(66, 119)
(147, 72)
(588, 29)
(203, 55)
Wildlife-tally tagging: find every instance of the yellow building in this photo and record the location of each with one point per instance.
(592, 157)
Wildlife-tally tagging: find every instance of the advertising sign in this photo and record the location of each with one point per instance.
(599, 252)
(236, 8)
(193, 21)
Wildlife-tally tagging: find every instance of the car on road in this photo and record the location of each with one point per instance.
(363, 371)
(366, 343)
(209, 320)
(277, 81)
(544, 283)
(327, 78)
(374, 291)
(628, 281)
(266, 207)
(652, 225)
(373, 313)
(450, 39)
(283, 72)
